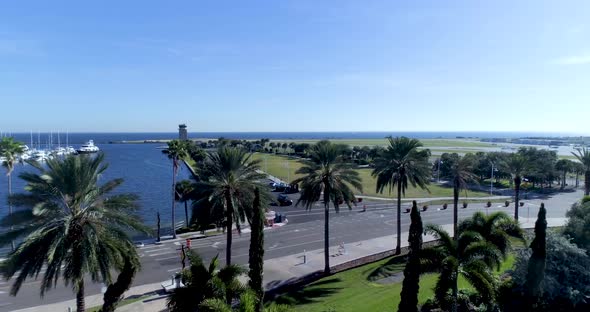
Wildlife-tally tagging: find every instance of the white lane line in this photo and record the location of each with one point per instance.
(161, 254)
(156, 250)
(168, 258)
(173, 270)
(151, 246)
(5, 304)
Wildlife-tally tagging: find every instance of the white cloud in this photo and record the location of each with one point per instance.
(574, 60)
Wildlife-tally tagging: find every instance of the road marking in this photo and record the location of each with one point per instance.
(5, 304)
(173, 270)
(215, 245)
(162, 253)
(168, 258)
(150, 247)
(156, 250)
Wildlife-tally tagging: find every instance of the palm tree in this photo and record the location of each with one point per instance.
(203, 282)
(184, 190)
(583, 156)
(578, 168)
(496, 228)
(565, 166)
(10, 149)
(176, 151)
(226, 181)
(327, 175)
(517, 165)
(460, 173)
(401, 164)
(469, 255)
(72, 226)
(248, 301)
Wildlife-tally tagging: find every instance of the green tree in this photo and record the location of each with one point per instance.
(470, 255)
(578, 168)
(583, 156)
(327, 175)
(72, 226)
(564, 166)
(10, 150)
(256, 253)
(205, 282)
(248, 303)
(176, 151)
(516, 164)
(460, 173)
(115, 291)
(183, 193)
(536, 265)
(226, 182)
(496, 228)
(402, 164)
(578, 225)
(411, 284)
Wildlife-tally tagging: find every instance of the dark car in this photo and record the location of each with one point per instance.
(284, 200)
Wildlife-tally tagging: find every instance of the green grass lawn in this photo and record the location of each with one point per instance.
(352, 291)
(284, 168)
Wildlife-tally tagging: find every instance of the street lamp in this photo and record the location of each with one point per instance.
(494, 168)
(438, 171)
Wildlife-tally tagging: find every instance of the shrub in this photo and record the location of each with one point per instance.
(578, 224)
(585, 199)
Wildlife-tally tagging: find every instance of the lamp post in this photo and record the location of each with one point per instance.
(492, 179)
(438, 171)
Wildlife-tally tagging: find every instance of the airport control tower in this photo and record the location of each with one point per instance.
(182, 132)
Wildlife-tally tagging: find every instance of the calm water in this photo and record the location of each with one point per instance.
(146, 171)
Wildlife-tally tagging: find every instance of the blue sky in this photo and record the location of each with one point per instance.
(295, 65)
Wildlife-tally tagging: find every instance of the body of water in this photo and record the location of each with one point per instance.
(145, 169)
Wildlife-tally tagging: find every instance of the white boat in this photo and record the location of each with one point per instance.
(39, 155)
(88, 148)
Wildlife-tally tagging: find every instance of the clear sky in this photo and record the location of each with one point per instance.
(301, 65)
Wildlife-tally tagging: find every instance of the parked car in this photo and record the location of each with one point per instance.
(284, 200)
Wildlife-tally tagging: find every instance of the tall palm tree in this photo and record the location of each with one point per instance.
(327, 176)
(583, 156)
(176, 151)
(496, 228)
(516, 165)
(400, 165)
(10, 150)
(564, 166)
(226, 181)
(460, 173)
(578, 168)
(72, 226)
(184, 190)
(469, 255)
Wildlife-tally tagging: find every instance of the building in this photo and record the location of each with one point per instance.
(182, 132)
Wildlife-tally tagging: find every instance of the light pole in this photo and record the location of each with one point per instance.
(492, 180)
(438, 171)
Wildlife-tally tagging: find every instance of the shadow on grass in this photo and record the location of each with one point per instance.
(310, 294)
(389, 268)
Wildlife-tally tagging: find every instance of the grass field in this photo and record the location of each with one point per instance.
(353, 291)
(284, 168)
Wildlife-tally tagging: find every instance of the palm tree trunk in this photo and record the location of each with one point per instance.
(587, 183)
(10, 205)
(186, 212)
(517, 181)
(577, 179)
(326, 228)
(398, 248)
(455, 292)
(80, 304)
(228, 222)
(455, 209)
(563, 183)
(174, 166)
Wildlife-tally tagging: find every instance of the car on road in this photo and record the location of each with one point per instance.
(284, 200)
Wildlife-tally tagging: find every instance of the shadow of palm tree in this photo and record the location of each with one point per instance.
(389, 268)
(309, 294)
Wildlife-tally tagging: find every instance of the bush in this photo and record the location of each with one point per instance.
(567, 278)
(578, 224)
(585, 199)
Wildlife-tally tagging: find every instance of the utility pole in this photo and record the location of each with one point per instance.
(492, 182)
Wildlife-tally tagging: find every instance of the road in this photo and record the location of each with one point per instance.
(303, 232)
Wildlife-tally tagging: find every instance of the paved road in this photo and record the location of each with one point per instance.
(304, 232)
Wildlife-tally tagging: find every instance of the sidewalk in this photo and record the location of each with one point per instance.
(277, 271)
